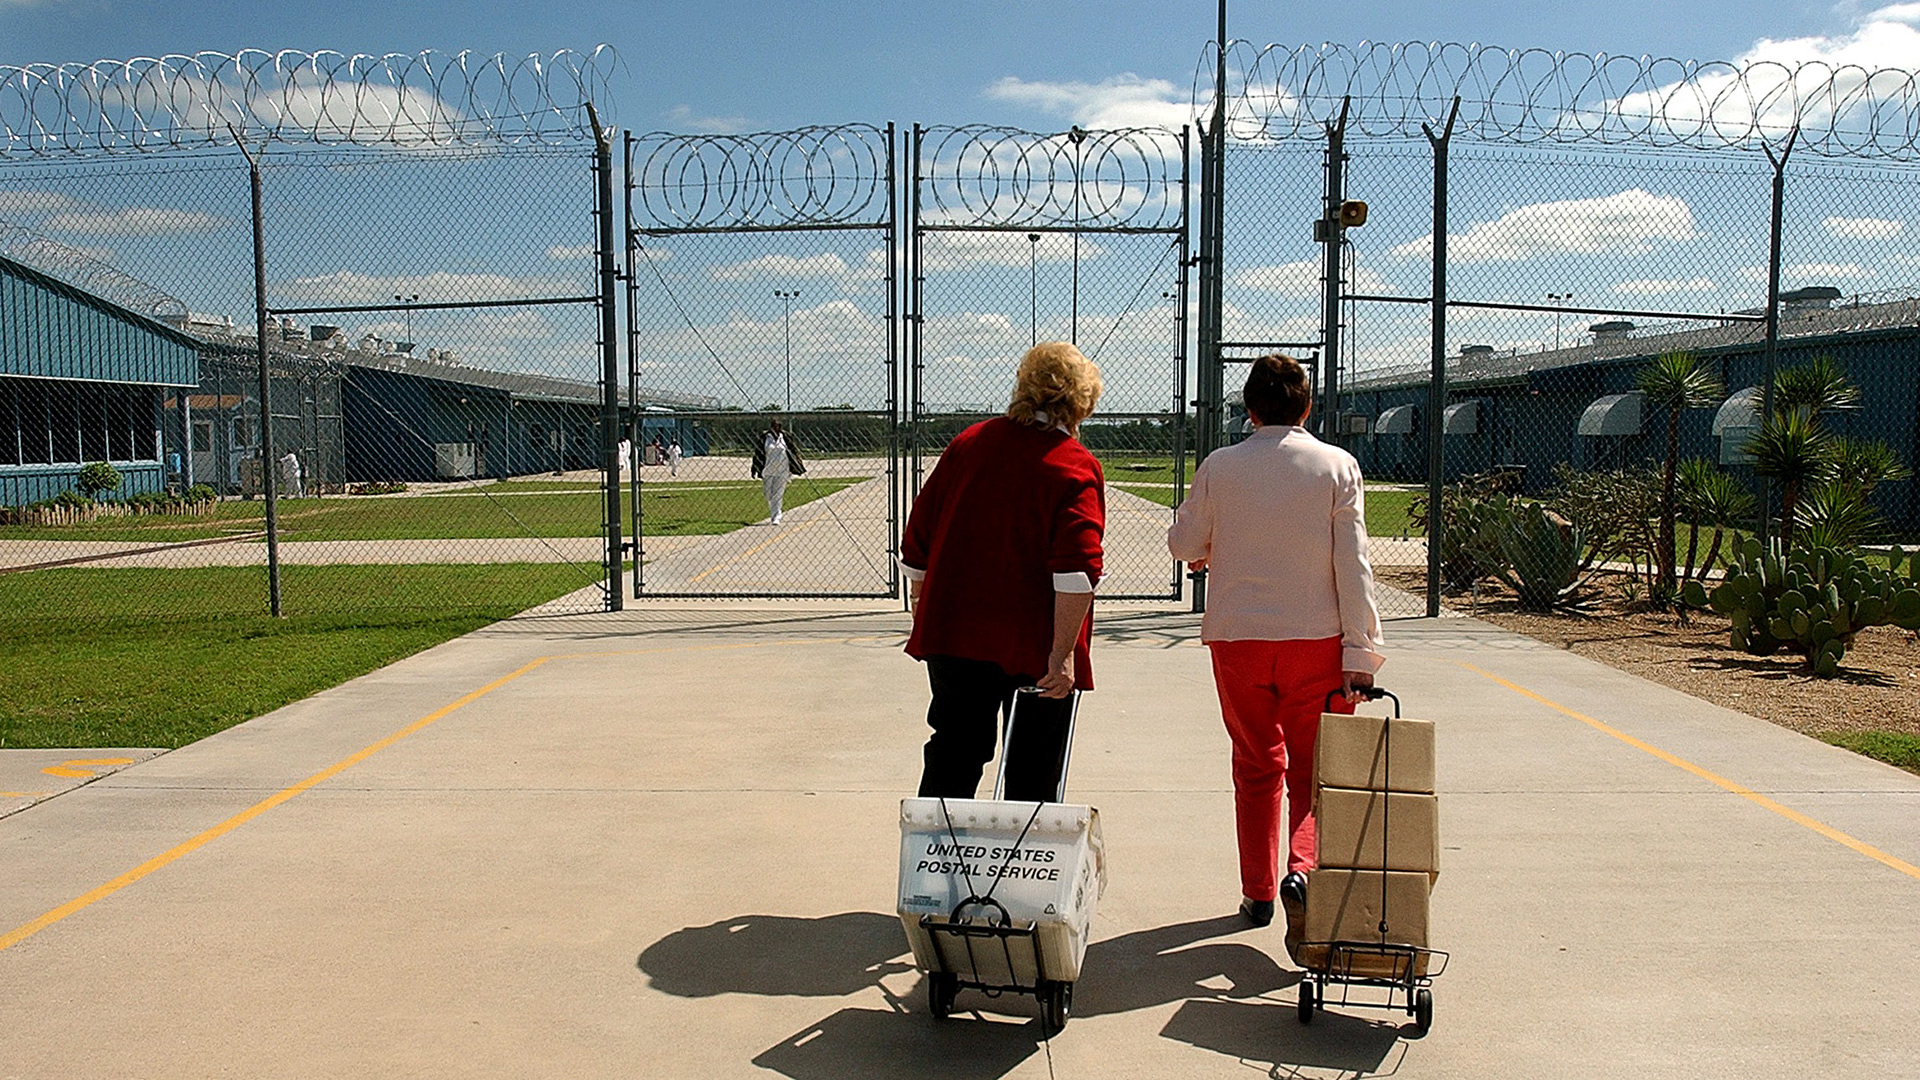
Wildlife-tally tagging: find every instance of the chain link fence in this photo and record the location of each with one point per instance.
(1595, 317)
(436, 429)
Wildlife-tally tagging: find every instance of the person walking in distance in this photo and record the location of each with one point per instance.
(1279, 524)
(673, 458)
(1002, 553)
(776, 459)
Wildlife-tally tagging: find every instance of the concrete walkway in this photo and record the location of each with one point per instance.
(663, 843)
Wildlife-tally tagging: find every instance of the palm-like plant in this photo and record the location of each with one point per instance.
(1675, 382)
(1710, 498)
(1792, 449)
(1815, 387)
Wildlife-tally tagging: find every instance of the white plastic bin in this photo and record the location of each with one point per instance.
(1051, 878)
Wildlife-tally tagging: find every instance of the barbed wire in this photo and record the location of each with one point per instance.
(422, 100)
(84, 272)
(982, 176)
(825, 175)
(1537, 96)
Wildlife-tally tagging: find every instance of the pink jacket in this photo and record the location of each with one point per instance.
(1281, 521)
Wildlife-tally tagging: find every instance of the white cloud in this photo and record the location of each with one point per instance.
(777, 268)
(353, 287)
(16, 203)
(1885, 39)
(1824, 273)
(941, 252)
(1663, 286)
(1123, 101)
(571, 253)
(683, 119)
(1865, 228)
(1628, 222)
(132, 221)
(1303, 278)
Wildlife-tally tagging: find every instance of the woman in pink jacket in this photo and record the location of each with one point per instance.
(1279, 524)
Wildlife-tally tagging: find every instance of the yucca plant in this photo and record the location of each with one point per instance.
(1818, 386)
(1710, 498)
(1675, 382)
(1792, 449)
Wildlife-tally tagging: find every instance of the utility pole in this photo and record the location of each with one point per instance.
(787, 297)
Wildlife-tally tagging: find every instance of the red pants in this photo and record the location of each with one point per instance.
(1271, 695)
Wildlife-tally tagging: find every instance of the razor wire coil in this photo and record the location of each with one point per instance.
(1522, 96)
(418, 100)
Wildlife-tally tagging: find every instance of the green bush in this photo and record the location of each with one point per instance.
(98, 478)
(202, 493)
(1466, 508)
(1812, 600)
(1541, 556)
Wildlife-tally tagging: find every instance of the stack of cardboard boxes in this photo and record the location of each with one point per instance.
(1379, 832)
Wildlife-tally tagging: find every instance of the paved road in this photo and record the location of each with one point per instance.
(663, 842)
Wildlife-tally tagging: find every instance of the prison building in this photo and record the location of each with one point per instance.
(1528, 412)
(83, 376)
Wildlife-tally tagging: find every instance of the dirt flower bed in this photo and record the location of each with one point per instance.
(1878, 688)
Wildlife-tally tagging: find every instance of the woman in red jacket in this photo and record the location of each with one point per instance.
(1002, 553)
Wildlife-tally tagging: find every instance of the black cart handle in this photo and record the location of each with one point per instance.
(983, 902)
(1367, 693)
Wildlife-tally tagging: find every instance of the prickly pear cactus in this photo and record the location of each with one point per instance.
(1812, 600)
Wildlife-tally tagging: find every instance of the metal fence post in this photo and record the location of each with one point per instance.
(269, 489)
(1332, 236)
(1213, 174)
(609, 353)
(1773, 311)
(1437, 384)
(636, 430)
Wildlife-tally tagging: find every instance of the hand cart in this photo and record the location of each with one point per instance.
(1404, 972)
(1012, 884)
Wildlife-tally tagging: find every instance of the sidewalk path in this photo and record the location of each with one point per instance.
(662, 843)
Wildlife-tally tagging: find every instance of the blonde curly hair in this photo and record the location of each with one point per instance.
(1056, 379)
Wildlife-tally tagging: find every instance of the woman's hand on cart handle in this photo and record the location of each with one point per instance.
(1357, 686)
(1058, 681)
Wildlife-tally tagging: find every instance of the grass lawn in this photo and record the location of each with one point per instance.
(1893, 747)
(493, 512)
(83, 671)
(1386, 507)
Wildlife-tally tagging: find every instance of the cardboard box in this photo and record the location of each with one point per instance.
(1352, 752)
(1345, 905)
(1374, 830)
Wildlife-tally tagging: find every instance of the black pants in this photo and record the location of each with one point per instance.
(969, 697)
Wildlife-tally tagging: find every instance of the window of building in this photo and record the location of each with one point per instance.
(9, 422)
(203, 436)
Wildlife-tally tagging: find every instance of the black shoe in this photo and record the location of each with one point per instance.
(1293, 888)
(1258, 912)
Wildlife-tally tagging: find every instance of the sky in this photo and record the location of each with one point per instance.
(713, 317)
(715, 65)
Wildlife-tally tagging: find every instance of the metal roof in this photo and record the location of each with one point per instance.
(1870, 311)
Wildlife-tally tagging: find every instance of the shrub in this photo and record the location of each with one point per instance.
(1812, 600)
(1541, 556)
(98, 478)
(1616, 509)
(1466, 508)
(201, 493)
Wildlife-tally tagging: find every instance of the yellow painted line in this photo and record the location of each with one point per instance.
(81, 768)
(1711, 777)
(755, 549)
(22, 933)
(22, 794)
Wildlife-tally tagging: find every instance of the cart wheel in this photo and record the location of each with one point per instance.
(942, 988)
(1309, 997)
(1056, 1005)
(1422, 1010)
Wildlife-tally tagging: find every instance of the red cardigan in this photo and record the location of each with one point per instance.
(1008, 507)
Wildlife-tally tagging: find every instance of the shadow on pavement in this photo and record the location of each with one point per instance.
(856, 1044)
(777, 955)
(1334, 1045)
(843, 954)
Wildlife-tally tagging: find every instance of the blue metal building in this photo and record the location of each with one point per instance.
(1578, 406)
(82, 379)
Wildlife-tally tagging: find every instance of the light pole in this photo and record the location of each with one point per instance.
(787, 297)
(1560, 299)
(406, 302)
(1033, 289)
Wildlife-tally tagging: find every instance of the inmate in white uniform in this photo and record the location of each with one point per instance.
(775, 474)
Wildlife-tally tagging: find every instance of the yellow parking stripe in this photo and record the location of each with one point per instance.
(1711, 777)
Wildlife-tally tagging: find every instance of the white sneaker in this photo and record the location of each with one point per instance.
(776, 520)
